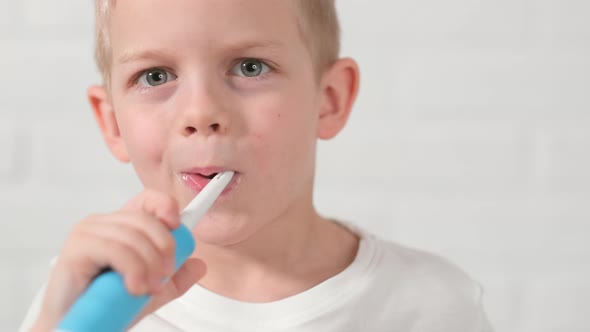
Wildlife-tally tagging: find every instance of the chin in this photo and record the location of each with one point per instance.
(222, 231)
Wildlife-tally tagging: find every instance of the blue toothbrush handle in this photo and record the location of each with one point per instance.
(107, 306)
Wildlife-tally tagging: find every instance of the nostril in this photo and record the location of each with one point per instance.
(215, 126)
(190, 130)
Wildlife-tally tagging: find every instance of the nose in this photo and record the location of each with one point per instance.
(212, 128)
(204, 114)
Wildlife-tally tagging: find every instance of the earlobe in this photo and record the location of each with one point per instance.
(107, 122)
(339, 90)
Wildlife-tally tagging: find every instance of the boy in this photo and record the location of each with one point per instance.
(195, 87)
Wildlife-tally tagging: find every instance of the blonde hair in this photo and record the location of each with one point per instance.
(318, 23)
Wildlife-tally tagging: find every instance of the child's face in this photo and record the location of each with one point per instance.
(202, 104)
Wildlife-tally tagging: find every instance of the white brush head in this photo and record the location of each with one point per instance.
(197, 208)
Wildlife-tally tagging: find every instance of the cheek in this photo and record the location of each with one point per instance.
(144, 137)
(284, 131)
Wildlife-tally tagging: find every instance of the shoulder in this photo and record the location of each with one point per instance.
(425, 271)
(413, 267)
(415, 280)
(430, 290)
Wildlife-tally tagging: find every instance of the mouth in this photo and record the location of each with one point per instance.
(210, 176)
(197, 178)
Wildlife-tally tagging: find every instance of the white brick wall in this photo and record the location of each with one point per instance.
(470, 138)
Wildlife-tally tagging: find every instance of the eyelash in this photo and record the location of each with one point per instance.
(264, 76)
(134, 81)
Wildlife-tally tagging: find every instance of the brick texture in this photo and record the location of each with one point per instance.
(470, 138)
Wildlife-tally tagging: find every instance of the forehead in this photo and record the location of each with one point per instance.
(202, 24)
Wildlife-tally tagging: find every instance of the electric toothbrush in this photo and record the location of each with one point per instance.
(106, 305)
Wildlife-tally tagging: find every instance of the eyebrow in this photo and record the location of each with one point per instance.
(136, 55)
(254, 44)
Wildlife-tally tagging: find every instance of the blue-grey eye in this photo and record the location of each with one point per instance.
(250, 68)
(156, 76)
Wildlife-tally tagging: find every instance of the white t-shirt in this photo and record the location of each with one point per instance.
(388, 287)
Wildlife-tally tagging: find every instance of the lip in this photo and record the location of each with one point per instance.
(195, 180)
(205, 170)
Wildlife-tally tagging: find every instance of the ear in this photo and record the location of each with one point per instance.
(339, 88)
(107, 122)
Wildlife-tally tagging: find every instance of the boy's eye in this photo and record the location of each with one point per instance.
(156, 76)
(250, 68)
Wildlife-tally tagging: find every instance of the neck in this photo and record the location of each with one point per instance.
(293, 253)
(279, 241)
